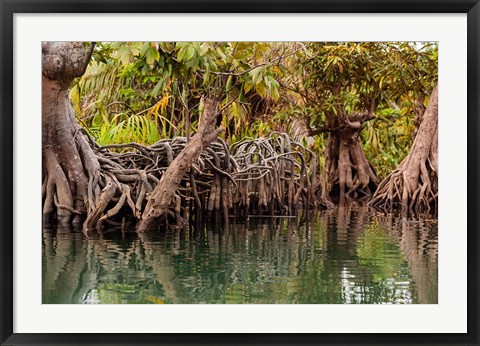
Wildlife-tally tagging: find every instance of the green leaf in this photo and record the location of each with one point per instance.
(221, 54)
(204, 48)
(235, 109)
(266, 80)
(243, 45)
(229, 84)
(256, 75)
(181, 53)
(157, 88)
(124, 55)
(261, 89)
(381, 82)
(190, 53)
(206, 78)
(152, 56)
(144, 49)
(247, 86)
(135, 48)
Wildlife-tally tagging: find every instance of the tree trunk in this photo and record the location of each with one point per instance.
(413, 186)
(347, 174)
(68, 160)
(161, 198)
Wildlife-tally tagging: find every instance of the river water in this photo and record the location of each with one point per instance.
(344, 256)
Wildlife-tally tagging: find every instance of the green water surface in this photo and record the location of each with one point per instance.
(345, 256)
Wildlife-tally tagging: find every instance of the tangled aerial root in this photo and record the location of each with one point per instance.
(272, 175)
(262, 176)
(127, 179)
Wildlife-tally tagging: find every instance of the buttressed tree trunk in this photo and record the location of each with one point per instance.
(68, 160)
(347, 174)
(413, 186)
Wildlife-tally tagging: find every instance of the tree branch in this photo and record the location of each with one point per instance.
(89, 56)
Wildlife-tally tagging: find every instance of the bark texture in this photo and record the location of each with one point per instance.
(68, 160)
(413, 186)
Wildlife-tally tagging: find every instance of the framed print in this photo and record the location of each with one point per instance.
(246, 172)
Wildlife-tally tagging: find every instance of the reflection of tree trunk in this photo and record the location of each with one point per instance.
(65, 276)
(72, 265)
(354, 219)
(424, 269)
(422, 261)
(350, 223)
(160, 261)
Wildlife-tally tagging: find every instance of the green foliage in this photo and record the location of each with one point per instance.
(136, 128)
(349, 77)
(128, 78)
(387, 140)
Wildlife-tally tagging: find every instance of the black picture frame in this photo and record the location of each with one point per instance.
(9, 8)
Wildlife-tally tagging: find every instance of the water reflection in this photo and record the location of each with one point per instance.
(342, 256)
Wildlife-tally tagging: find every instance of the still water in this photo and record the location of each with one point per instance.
(345, 256)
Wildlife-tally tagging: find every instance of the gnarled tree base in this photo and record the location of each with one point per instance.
(396, 193)
(413, 186)
(348, 175)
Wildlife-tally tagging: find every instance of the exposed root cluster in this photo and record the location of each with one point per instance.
(273, 176)
(127, 179)
(265, 175)
(400, 192)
